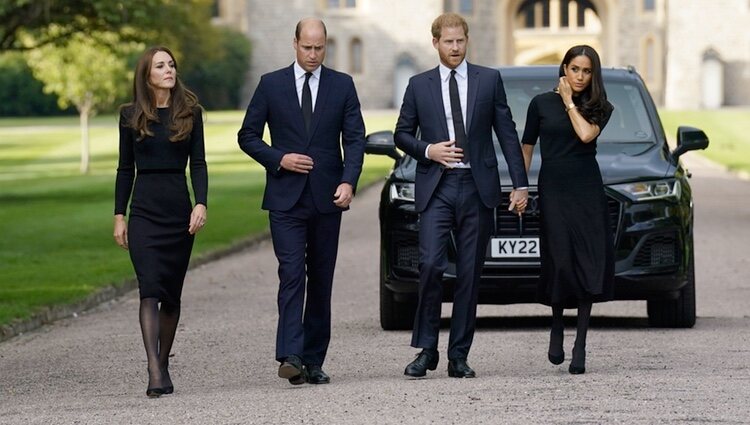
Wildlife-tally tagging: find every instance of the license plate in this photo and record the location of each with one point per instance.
(515, 248)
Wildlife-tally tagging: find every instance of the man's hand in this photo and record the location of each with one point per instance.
(297, 163)
(343, 196)
(518, 200)
(445, 153)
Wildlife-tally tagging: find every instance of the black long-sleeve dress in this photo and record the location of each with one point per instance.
(577, 252)
(160, 208)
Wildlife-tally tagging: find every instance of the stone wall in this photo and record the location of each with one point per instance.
(693, 29)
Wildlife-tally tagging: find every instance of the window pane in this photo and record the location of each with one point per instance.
(564, 18)
(351, 3)
(333, 4)
(356, 56)
(582, 14)
(448, 5)
(466, 7)
(649, 4)
(331, 53)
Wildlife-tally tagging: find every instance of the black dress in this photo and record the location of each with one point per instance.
(158, 238)
(577, 252)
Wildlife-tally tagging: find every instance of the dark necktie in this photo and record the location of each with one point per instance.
(307, 102)
(458, 117)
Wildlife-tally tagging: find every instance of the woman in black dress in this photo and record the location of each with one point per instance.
(577, 251)
(160, 130)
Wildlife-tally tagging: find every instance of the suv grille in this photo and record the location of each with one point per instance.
(508, 224)
(405, 252)
(658, 250)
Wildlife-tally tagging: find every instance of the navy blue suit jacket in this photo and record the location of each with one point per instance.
(487, 109)
(336, 122)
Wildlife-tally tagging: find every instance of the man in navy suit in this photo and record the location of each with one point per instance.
(312, 112)
(455, 107)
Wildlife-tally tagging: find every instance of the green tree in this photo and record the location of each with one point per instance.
(218, 82)
(20, 93)
(54, 21)
(84, 72)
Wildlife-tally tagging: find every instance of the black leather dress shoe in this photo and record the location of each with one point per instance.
(291, 369)
(426, 360)
(315, 375)
(458, 368)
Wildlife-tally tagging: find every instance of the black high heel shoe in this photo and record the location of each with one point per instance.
(153, 392)
(556, 359)
(555, 345)
(578, 364)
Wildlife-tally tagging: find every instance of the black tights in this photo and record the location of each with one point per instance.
(158, 326)
(558, 326)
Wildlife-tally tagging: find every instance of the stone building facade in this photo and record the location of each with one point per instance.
(691, 53)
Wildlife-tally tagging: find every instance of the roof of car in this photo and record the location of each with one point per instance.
(547, 71)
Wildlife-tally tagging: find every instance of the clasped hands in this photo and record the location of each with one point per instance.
(299, 163)
(448, 154)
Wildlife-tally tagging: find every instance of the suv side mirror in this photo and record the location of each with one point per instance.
(689, 139)
(381, 143)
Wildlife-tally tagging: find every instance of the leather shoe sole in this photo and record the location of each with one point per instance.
(294, 374)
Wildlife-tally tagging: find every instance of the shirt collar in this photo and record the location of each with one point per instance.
(300, 73)
(462, 70)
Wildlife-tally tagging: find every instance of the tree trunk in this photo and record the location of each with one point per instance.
(84, 113)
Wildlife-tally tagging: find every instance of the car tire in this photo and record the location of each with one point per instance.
(394, 315)
(675, 313)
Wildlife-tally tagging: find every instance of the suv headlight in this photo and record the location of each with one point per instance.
(650, 190)
(402, 192)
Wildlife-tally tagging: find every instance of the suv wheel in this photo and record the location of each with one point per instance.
(394, 315)
(675, 313)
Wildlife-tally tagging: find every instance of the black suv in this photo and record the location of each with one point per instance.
(650, 206)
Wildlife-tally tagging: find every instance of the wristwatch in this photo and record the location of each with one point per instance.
(570, 106)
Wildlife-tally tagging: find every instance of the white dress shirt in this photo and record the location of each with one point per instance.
(462, 80)
(299, 81)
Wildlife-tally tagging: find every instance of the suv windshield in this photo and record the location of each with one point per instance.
(629, 122)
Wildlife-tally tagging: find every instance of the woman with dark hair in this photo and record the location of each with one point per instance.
(160, 130)
(577, 251)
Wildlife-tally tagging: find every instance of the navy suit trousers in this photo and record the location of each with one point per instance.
(306, 244)
(455, 206)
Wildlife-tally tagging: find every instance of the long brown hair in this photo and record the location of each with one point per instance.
(593, 101)
(182, 101)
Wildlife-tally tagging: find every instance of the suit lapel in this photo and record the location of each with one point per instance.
(472, 90)
(324, 87)
(290, 94)
(437, 98)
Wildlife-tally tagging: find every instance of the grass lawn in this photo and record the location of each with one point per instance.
(57, 244)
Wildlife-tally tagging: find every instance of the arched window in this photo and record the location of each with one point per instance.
(331, 53)
(538, 13)
(355, 56)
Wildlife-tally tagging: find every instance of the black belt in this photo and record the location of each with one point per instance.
(456, 170)
(162, 171)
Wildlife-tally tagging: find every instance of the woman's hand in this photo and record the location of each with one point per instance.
(197, 219)
(121, 231)
(565, 91)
